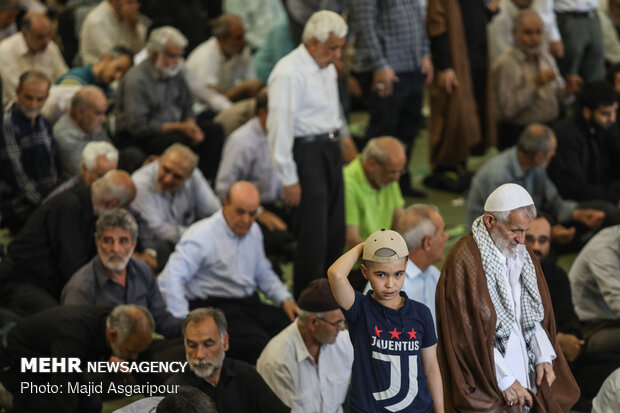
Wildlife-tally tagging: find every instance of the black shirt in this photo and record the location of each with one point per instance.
(56, 241)
(240, 389)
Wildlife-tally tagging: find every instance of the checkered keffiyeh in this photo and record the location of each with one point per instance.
(531, 305)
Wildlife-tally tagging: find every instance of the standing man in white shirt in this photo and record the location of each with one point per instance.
(303, 124)
(308, 365)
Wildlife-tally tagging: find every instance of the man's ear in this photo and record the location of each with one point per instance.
(426, 243)
(225, 343)
(489, 220)
(111, 335)
(586, 113)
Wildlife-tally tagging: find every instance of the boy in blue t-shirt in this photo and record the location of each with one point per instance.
(395, 367)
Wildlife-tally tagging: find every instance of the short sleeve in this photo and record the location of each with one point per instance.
(430, 336)
(353, 314)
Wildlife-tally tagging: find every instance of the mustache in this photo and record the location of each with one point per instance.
(202, 363)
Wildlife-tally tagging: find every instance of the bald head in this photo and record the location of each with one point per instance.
(129, 330)
(241, 206)
(115, 189)
(88, 109)
(383, 160)
(37, 31)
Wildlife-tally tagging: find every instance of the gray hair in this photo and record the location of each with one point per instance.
(163, 36)
(323, 23)
(421, 226)
(112, 186)
(200, 314)
(502, 216)
(33, 76)
(184, 151)
(128, 319)
(82, 98)
(94, 150)
(220, 26)
(187, 399)
(534, 139)
(117, 218)
(375, 150)
(522, 15)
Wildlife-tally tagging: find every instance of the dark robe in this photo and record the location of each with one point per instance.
(466, 326)
(455, 126)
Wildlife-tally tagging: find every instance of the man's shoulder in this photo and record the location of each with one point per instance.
(97, 14)
(465, 252)
(10, 45)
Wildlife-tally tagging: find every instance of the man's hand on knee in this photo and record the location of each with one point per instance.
(544, 371)
(517, 394)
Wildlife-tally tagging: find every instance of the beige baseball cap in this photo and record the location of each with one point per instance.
(385, 246)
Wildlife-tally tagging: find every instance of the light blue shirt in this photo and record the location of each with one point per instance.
(420, 285)
(210, 260)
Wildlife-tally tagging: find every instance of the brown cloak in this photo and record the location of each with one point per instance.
(466, 326)
(454, 127)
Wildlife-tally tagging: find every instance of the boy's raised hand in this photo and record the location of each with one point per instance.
(338, 275)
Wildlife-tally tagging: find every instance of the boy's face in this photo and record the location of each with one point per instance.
(386, 280)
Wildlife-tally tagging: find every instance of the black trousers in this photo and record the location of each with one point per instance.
(20, 296)
(251, 324)
(318, 222)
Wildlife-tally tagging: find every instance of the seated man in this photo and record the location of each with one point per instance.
(609, 16)
(9, 10)
(594, 280)
(246, 157)
(258, 18)
(220, 262)
(154, 105)
(588, 369)
(113, 277)
(30, 49)
(586, 166)
(28, 158)
(83, 124)
(186, 399)
(528, 84)
(373, 198)
(224, 62)
(172, 194)
(91, 334)
(97, 159)
(525, 164)
(111, 23)
(57, 240)
(233, 385)
(112, 66)
(424, 231)
(308, 365)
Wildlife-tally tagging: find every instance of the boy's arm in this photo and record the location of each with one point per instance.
(338, 277)
(431, 368)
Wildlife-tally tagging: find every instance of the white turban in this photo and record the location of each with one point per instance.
(508, 197)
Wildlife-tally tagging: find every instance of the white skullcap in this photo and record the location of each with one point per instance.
(508, 197)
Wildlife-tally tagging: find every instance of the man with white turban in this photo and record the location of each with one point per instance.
(497, 348)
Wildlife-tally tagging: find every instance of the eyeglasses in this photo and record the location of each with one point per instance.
(337, 323)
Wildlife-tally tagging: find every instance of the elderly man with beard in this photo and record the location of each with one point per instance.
(92, 334)
(154, 104)
(113, 277)
(528, 84)
(497, 342)
(233, 385)
(28, 155)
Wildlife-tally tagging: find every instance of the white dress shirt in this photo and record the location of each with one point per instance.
(103, 29)
(515, 365)
(168, 215)
(246, 157)
(210, 260)
(301, 383)
(209, 64)
(607, 399)
(303, 100)
(16, 58)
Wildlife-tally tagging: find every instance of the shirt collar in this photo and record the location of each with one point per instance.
(412, 271)
(102, 278)
(308, 61)
(301, 350)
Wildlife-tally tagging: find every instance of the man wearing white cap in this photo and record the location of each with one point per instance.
(489, 283)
